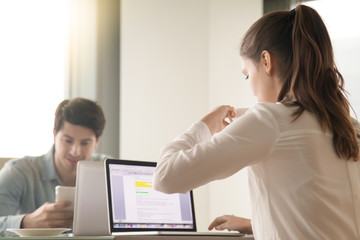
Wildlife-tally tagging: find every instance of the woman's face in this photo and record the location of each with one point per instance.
(263, 84)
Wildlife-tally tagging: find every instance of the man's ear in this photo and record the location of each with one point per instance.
(97, 142)
(267, 61)
(54, 133)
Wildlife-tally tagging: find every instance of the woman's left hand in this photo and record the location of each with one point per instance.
(232, 223)
(219, 118)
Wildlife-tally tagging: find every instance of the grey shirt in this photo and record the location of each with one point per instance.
(25, 185)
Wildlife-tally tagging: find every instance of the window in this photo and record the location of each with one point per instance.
(32, 77)
(342, 21)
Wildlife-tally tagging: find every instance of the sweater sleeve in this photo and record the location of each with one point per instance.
(10, 194)
(195, 158)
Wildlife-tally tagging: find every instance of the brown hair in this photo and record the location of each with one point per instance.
(299, 41)
(80, 111)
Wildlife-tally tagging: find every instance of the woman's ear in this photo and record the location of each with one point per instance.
(267, 61)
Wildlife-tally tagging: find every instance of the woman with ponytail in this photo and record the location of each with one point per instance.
(299, 143)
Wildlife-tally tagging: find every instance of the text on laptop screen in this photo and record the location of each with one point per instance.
(136, 205)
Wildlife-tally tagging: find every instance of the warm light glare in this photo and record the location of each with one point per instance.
(32, 61)
(342, 21)
(341, 17)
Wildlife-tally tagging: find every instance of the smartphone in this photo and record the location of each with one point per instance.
(63, 193)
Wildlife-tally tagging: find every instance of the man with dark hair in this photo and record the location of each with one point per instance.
(27, 185)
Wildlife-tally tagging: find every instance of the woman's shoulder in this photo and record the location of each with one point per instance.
(275, 109)
(282, 115)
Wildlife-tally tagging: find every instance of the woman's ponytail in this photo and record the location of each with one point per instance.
(316, 83)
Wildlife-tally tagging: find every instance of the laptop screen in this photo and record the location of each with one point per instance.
(135, 206)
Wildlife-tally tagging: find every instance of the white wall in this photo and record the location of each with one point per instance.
(179, 59)
(229, 20)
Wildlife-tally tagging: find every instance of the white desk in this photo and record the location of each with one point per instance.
(141, 237)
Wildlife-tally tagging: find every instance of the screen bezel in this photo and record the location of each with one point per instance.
(108, 162)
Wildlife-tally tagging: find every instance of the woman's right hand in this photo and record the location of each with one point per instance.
(219, 118)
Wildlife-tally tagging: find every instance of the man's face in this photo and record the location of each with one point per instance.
(73, 143)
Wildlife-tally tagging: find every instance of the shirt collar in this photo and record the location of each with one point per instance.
(49, 170)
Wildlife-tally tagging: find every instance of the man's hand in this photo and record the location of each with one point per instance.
(49, 215)
(232, 223)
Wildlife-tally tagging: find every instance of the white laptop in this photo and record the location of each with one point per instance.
(90, 211)
(135, 208)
